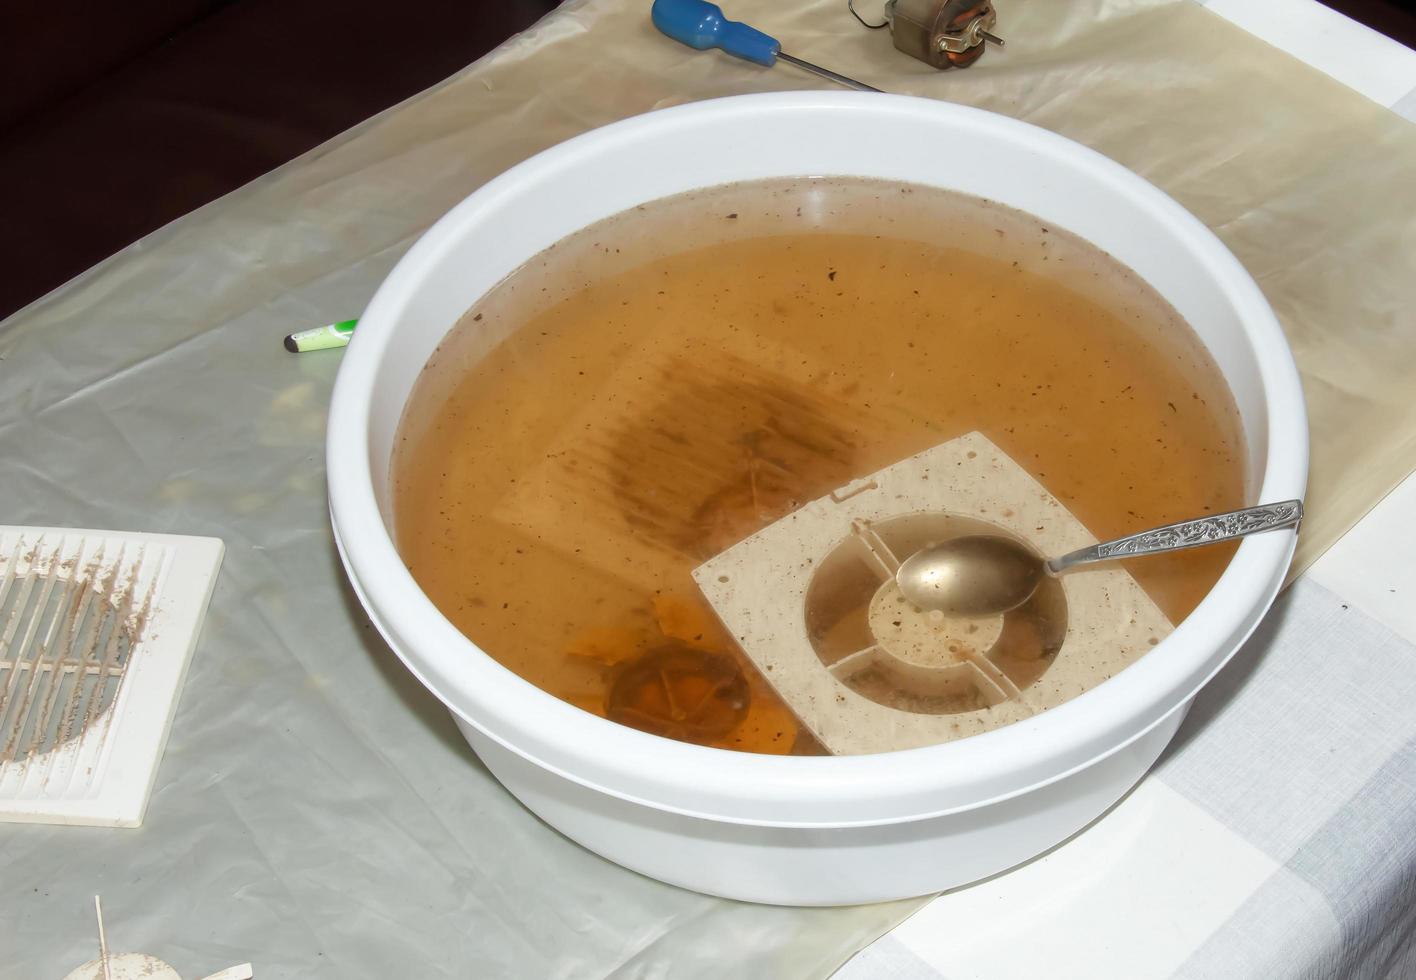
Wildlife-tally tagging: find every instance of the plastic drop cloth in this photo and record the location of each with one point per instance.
(316, 811)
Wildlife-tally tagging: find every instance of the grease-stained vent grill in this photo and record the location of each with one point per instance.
(96, 631)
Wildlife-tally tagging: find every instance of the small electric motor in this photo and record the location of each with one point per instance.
(942, 33)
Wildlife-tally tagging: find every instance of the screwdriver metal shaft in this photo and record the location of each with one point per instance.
(827, 73)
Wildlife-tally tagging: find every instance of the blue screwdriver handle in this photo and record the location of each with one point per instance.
(701, 25)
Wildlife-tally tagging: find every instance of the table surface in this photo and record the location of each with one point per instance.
(1274, 838)
(1277, 835)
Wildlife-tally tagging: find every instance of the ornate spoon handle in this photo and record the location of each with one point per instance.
(1187, 534)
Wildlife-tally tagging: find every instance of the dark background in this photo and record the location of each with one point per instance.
(117, 116)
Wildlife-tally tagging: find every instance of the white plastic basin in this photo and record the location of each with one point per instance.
(790, 830)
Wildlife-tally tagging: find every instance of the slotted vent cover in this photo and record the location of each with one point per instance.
(96, 631)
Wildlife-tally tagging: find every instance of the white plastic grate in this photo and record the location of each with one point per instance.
(96, 631)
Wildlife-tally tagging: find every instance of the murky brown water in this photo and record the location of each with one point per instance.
(666, 383)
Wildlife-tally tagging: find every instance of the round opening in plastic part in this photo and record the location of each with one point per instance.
(851, 828)
(882, 646)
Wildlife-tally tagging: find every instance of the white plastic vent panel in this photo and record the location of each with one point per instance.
(96, 631)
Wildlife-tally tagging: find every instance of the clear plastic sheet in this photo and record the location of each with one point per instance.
(317, 812)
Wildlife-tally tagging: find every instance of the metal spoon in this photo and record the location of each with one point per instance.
(985, 574)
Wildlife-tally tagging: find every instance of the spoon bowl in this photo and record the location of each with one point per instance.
(987, 574)
(976, 575)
